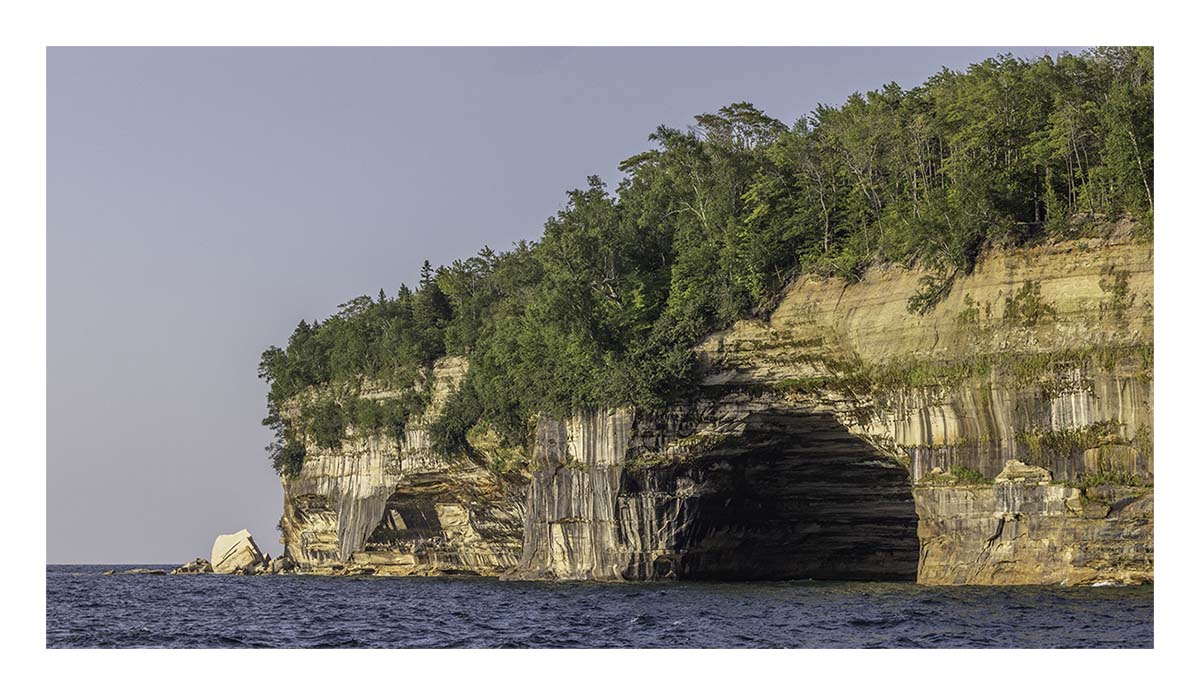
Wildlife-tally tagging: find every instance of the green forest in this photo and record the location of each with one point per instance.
(710, 224)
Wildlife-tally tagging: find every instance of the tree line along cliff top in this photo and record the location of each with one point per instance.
(710, 224)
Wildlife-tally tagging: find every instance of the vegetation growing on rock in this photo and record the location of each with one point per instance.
(1045, 445)
(957, 475)
(711, 224)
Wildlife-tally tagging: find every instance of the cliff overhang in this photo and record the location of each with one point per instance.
(843, 437)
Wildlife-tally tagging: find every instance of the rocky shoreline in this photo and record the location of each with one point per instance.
(1005, 437)
(1022, 528)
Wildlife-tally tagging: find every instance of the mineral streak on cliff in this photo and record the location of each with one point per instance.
(403, 510)
(842, 437)
(775, 494)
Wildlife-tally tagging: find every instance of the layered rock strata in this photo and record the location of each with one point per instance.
(236, 553)
(402, 509)
(767, 495)
(845, 436)
(1025, 529)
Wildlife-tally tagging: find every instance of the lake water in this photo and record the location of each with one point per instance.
(84, 608)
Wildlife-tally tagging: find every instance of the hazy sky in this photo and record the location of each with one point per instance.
(202, 201)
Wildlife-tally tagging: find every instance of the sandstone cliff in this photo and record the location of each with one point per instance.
(844, 437)
(401, 509)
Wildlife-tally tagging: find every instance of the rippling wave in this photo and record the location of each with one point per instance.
(86, 609)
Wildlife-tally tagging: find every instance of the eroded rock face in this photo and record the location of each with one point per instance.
(571, 528)
(1023, 532)
(1019, 472)
(453, 516)
(280, 565)
(403, 510)
(821, 436)
(236, 553)
(1042, 356)
(772, 495)
(197, 566)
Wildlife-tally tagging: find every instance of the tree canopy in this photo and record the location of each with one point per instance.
(712, 222)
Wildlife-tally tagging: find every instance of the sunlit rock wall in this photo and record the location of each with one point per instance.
(821, 435)
(372, 505)
(1035, 533)
(731, 490)
(1043, 355)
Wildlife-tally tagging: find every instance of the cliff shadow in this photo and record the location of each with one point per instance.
(794, 496)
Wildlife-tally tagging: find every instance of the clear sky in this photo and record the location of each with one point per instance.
(201, 202)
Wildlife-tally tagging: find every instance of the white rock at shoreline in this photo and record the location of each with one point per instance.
(234, 552)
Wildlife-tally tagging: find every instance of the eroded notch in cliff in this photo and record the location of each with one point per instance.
(766, 495)
(794, 496)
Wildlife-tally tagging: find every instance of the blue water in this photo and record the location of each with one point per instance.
(86, 609)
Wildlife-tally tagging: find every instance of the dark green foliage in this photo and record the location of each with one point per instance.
(448, 431)
(1026, 307)
(1045, 446)
(325, 422)
(287, 457)
(712, 223)
(1122, 478)
(387, 416)
(933, 290)
(969, 476)
(388, 341)
(1115, 284)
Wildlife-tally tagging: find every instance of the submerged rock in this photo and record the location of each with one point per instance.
(197, 566)
(236, 553)
(138, 570)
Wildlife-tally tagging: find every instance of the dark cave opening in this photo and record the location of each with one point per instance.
(802, 498)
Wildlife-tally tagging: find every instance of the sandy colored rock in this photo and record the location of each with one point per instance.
(197, 566)
(404, 510)
(800, 455)
(235, 553)
(1018, 472)
(281, 565)
(1015, 533)
(1113, 458)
